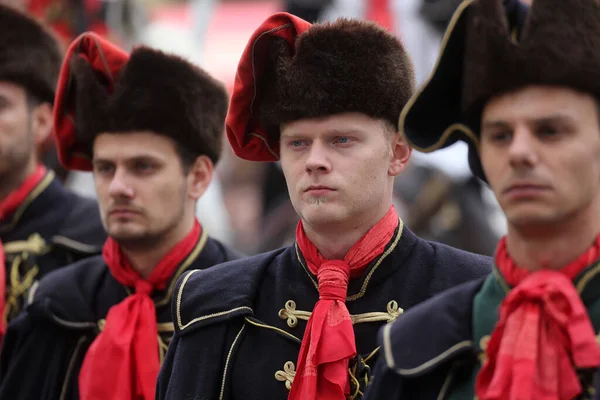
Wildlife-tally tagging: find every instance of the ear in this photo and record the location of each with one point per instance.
(200, 176)
(41, 123)
(400, 155)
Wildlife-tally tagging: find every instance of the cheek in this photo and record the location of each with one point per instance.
(102, 192)
(165, 197)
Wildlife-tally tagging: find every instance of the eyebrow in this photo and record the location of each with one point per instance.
(554, 118)
(334, 131)
(104, 160)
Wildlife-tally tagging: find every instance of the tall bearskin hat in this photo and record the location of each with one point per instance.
(291, 70)
(102, 89)
(30, 55)
(494, 47)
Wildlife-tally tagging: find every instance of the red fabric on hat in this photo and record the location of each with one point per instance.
(380, 11)
(123, 362)
(543, 336)
(247, 138)
(328, 343)
(106, 59)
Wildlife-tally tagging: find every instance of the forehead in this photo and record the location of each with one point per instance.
(122, 146)
(534, 102)
(337, 123)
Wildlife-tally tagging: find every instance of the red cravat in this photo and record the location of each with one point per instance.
(328, 343)
(123, 362)
(542, 337)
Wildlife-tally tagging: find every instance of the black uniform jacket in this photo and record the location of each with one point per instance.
(45, 345)
(238, 327)
(52, 228)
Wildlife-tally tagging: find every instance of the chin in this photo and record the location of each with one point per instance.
(122, 233)
(320, 215)
(532, 218)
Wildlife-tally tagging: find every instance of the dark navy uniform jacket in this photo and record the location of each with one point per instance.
(44, 347)
(239, 326)
(53, 227)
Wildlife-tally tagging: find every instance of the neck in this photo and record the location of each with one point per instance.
(333, 242)
(144, 259)
(553, 246)
(12, 181)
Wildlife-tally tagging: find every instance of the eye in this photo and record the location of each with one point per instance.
(343, 140)
(103, 168)
(500, 136)
(143, 166)
(547, 130)
(296, 143)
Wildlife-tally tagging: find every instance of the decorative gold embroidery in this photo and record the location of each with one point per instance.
(287, 375)
(34, 245)
(20, 283)
(483, 344)
(292, 315)
(18, 288)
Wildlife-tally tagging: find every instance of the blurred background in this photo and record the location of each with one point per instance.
(247, 205)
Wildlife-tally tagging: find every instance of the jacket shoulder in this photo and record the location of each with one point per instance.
(81, 231)
(68, 293)
(414, 345)
(220, 293)
(453, 266)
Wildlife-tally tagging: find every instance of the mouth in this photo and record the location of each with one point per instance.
(318, 190)
(524, 190)
(122, 213)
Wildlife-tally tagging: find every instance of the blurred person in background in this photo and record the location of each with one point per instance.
(43, 226)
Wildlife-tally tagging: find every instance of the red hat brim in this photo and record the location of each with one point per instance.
(248, 139)
(106, 60)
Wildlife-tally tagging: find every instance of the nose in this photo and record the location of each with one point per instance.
(523, 149)
(119, 185)
(318, 159)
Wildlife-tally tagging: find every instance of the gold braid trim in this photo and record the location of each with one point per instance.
(287, 375)
(18, 288)
(291, 315)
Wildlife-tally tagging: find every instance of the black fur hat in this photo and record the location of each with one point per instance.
(30, 54)
(342, 66)
(149, 91)
(315, 70)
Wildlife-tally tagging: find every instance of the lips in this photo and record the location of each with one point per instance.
(317, 187)
(525, 190)
(122, 212)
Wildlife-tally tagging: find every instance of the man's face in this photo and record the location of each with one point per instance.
(540, 150)
(17, 141)
(339, 168)
(142, 188)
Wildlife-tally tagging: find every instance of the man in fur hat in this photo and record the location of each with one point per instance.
(523, 90)
(43, 226)
(301, 321)
(150, 126)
